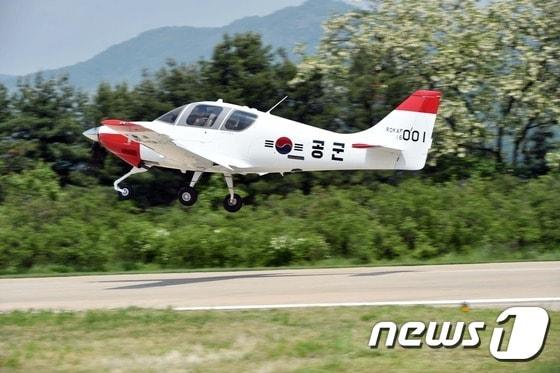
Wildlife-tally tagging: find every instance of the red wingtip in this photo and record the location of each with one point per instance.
(114, 122)
(422, 101)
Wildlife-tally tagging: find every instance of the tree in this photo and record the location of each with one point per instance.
(45, 126)
(495, 64)
(179, 84)
(4, 104)
(245, 72)
(109, 102)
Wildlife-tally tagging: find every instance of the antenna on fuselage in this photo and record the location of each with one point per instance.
(278, 103)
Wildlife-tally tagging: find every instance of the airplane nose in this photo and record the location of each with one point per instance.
(92, 134)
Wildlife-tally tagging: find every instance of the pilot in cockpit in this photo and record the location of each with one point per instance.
(199, 116)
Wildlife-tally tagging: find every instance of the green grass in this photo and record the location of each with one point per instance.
(472, 258)
(330, 339)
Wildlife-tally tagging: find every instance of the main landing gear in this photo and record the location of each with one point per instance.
(232, 202)
(188, 195)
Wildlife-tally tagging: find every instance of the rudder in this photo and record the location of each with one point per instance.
(408, 128)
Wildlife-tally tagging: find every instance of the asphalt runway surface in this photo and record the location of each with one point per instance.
(478, 284)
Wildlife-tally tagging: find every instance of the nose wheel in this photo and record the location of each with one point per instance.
(124, 192)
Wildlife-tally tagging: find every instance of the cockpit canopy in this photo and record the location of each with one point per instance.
(171, 116)
(208, 115)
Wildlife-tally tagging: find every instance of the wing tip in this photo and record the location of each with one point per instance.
(115, 122)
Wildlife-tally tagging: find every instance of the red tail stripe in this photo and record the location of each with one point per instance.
(422, 101)
(363, 146)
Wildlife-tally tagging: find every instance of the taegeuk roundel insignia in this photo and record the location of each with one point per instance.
(283, 145)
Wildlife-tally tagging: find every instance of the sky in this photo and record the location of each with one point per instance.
(43, 34)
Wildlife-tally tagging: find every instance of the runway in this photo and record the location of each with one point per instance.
(480, 284)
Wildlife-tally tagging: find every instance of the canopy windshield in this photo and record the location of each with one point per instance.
(171, 117)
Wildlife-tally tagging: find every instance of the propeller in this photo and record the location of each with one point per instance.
(97, 150)
(98, 154)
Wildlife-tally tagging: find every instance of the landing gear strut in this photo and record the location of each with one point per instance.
(125, 191)
(232, 202)
(187, 194)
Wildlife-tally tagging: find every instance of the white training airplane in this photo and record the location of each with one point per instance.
(231, 139)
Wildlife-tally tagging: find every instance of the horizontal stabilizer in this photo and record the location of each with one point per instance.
(372, 146)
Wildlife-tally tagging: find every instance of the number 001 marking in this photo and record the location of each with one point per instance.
(413, 135)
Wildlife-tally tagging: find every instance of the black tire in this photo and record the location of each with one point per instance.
(235, 205)
(125, 193)
(187, 196)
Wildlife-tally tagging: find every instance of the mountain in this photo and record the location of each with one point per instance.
(149, 50)
(8, 80)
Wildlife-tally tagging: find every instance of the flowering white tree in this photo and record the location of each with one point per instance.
(497, 65)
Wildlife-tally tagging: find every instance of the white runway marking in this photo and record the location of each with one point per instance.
(361, 304)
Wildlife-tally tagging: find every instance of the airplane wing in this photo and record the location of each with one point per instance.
(165, 145)
(202, 151)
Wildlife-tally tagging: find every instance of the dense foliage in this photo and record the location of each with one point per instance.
(490, 192)
(497, 65)
(44, 225)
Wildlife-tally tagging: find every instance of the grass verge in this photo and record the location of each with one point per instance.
(332, 339)
(474, 258)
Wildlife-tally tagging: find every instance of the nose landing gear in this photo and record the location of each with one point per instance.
(125, 191)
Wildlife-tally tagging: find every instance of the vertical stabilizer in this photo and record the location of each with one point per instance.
(408, 128)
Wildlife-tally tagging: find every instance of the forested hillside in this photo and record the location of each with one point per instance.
(125, 62)
(490, 192)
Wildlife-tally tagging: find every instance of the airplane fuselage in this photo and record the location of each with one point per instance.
(270, 144)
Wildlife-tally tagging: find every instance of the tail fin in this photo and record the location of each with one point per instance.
(407, 129)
